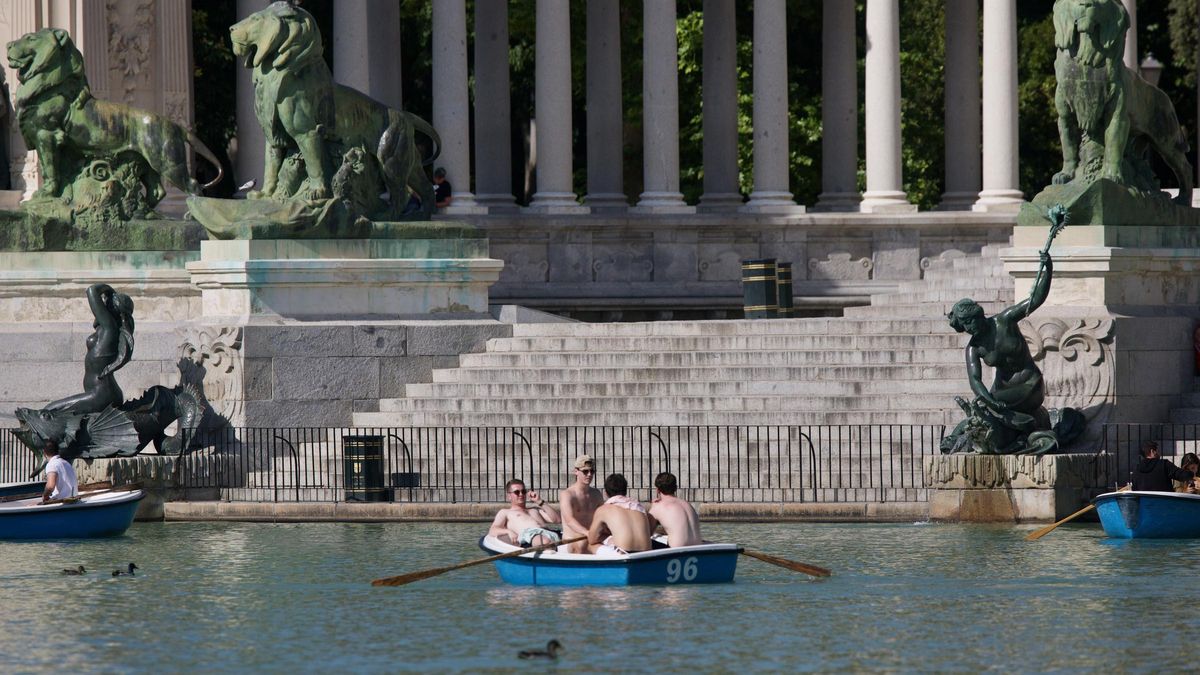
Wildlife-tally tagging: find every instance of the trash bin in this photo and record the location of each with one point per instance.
(362, 463)
(783, 287)
(759, 288)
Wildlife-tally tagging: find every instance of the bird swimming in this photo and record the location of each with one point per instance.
(75, 572)
(551, 651)
(122, 573)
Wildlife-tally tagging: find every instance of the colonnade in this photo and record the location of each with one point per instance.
(981, 139)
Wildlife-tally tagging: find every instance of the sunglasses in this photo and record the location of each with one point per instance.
(586, 472)
(518, 492)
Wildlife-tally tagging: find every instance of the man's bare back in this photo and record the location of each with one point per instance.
(578, 504)
(679, 519)
(625, 529)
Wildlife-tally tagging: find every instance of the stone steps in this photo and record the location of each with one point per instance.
(891, 325)
(923, 310)
(794, 357)
(603, 404)
(660, 418)
(947, 296)
(523, 389)
(737, 343)
(874, 375)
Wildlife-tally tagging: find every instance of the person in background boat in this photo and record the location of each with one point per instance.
(1154, 474)
(621, 525)
(676, 516)
(1190, 462)
(579, 502)
(522, 526)
(60, 475)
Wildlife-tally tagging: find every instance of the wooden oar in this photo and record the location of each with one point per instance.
(811, 570)
(425, 574)
(1038, 534)
(71, 500)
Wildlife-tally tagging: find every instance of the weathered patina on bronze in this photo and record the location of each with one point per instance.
(1109, 119)
(1008, 418)
(99, 422)
(331, 151)
(100, 161)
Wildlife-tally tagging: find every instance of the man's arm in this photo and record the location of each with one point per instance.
(499, 526)
(598, 528)
(51, 483)
(1176, 473)
(548, 512)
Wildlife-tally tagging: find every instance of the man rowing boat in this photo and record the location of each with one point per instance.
(520, 525)
(579, 503)
(621, 525)
(676, 516)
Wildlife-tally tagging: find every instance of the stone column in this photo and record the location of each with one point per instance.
(963, 109)
(839, 109)
(720, 108)
(660, 111)
(493, 126)
(770, 193)
(885, 183)
(1001, 191)
(605, 147)
(1131, 37)
(250, 140)
(552, 110)
(451, 100)
(362, 29)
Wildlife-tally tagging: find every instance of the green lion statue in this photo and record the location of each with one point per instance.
(1108, 116)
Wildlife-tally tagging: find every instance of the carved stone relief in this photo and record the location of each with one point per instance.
(1076, 359)
(840, 267)
(130, 44)
(211, 359)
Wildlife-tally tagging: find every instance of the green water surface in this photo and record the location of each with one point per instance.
(241, 597)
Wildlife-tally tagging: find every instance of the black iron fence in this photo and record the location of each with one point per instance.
(1122, 443)
(808, 463)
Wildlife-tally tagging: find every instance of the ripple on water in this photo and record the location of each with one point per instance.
(240, 596)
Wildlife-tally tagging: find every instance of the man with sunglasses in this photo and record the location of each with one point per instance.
(579, 502)
(523, 526)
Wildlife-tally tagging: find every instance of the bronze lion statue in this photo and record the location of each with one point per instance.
(1108, 116)
(70, 129)
(303, 112)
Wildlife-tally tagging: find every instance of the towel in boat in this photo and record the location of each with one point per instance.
(626, 503)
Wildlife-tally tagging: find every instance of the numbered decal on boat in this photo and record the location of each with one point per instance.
(686, 569)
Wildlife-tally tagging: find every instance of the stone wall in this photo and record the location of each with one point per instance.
(1008, 488)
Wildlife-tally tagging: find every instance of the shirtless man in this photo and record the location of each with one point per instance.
(621, 525)
(519, 525)
(676, 516)
(579, 502)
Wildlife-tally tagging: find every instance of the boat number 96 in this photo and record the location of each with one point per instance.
(677, 568)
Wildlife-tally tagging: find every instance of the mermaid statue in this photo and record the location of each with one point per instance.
(99, 422)
(1008, 418)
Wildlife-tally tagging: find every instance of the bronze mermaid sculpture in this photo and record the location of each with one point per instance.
(109, 347)
(1009, 418)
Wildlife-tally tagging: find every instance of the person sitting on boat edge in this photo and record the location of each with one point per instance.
(1154, 474)
(676, 516)
(1189, 462)
(621, 525)
(579, 502)
(520, 525)
(60, 475)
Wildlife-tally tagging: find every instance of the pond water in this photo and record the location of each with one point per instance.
(239, 597)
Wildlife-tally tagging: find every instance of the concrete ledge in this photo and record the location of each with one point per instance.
(292, 512)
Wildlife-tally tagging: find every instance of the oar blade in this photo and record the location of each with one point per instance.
(403, 579)
(1038, 534)
(803, 568)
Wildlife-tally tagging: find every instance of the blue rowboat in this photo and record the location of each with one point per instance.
(703, 564)
(106, 514)
(29, 487)
(1149, 515)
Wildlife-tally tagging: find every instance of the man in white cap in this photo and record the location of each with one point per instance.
(579, 502)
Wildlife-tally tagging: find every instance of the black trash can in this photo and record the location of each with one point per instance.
(783, 286)
(362, 464)
(759, 288)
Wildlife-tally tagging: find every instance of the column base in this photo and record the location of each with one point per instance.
(886, 201)
(606, 201)
(464, 204)
(556, 204)
(718, 202)
(661, 202)
(999, 201)
(497, 203)
(958, 201)
(838, 201)
(776, 202)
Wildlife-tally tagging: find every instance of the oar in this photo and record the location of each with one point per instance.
(811, 570)
(71, 500)
(433, 572)
(86, 487)
(1034, 536)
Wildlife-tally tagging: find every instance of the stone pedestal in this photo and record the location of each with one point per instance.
(159, 476)
(1006, 488)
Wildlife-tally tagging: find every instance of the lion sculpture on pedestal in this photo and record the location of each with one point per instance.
(1108, 116)
(306, 116)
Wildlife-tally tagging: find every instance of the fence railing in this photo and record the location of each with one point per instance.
(799, 463)
(1122, 443)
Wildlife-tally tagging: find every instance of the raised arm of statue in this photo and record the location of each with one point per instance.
(100, 299)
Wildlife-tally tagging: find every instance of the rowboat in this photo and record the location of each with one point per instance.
(703, 564)
(103, 514)
(26, 488)
(1149, 515)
